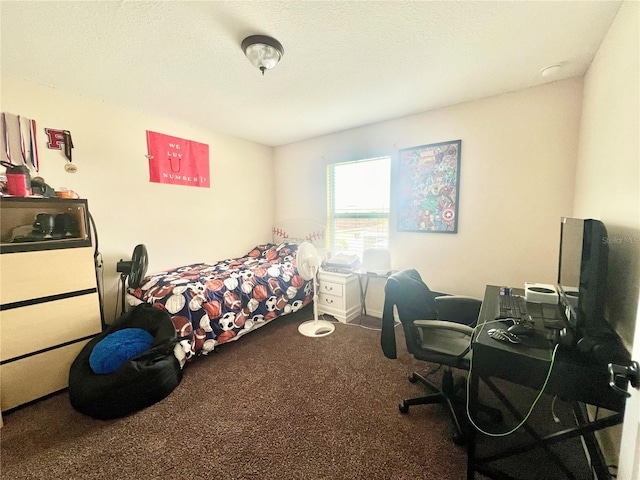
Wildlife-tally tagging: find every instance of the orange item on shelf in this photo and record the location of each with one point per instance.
(66, 194)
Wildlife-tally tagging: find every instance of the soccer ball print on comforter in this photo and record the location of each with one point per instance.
(213, 303)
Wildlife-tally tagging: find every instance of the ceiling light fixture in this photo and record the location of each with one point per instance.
(262, 51)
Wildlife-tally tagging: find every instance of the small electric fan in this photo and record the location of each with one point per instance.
(308, 262)
(133, 270)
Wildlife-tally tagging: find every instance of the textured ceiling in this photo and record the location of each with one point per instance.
(346, 64)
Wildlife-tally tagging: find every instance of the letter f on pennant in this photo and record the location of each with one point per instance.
(56, 138)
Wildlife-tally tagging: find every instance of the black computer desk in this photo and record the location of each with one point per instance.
(575, 377)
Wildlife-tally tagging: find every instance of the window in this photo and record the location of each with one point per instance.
(358, 195)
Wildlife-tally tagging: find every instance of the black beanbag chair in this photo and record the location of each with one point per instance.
(139, 382)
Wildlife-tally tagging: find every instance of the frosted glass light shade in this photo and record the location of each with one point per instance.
(263, 52)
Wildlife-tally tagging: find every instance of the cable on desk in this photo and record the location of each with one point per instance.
(477, 330)
(535, 401)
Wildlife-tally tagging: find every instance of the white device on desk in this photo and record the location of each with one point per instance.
(540, 293)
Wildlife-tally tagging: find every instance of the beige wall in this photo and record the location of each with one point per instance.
(517, 179)
(608, 170)
(519, 154)
(178, 224)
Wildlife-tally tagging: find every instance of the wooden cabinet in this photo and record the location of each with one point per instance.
(49, 302)
(339, 295)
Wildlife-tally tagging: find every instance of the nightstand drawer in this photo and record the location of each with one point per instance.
(331, 288)
(43, 325)
(330, 301)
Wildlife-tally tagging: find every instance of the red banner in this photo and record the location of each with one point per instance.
(177, 161)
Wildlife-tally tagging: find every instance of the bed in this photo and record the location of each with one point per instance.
(214, 303)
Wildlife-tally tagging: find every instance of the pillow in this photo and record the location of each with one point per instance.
(117, 348)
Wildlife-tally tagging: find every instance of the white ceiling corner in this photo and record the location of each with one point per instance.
(346, 63)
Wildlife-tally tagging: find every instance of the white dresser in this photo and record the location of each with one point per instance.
(49, 302)
(339, 295)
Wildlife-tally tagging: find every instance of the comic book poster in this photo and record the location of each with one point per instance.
(428, 184)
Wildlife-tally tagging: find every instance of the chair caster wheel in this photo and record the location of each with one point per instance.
(413, 378)
(403, 407)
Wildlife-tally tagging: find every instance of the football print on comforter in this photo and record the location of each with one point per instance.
(211, 304)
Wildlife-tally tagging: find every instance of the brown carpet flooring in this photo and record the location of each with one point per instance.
(273, 405)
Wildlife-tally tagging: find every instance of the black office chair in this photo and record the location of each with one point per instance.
(438, 329)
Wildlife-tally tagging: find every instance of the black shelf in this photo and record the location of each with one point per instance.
(21, 212)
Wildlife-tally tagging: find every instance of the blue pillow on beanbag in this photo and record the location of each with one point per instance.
(117, 348)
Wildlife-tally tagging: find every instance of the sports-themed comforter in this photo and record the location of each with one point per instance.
(213, 303)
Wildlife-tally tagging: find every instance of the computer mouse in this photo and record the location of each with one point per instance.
(503, 335)
(520, 329)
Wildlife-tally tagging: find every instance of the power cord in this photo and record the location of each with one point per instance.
(535, 401)
(375, 329)
(118, 292)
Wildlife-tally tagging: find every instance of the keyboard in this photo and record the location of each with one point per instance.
(512, 306)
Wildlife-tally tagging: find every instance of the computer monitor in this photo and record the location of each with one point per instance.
(582, 275)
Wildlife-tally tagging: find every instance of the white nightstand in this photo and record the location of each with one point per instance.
(339, 295)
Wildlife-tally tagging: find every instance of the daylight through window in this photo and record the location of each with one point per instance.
(359, 197)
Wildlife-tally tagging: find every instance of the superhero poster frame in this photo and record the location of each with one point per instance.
(429, 187)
